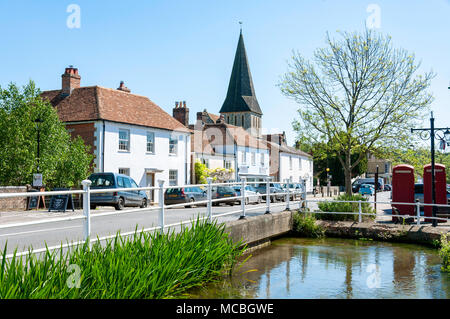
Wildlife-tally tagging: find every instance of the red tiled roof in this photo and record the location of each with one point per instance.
(226, 134)
(99, 103)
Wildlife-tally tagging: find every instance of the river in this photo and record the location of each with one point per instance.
(334, 268)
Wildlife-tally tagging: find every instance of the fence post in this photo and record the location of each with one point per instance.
(267, 195)
(360, 212)
(242, 198)
(161, 205)
(288, 194)
(87, 208)
(209, 198)
(418, 212)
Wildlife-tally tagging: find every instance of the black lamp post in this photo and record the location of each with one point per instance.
(432, 134)
(38, 121)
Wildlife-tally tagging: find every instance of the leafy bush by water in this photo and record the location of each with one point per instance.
(345, 207)
(444, 253)
(146, 265)
(305, 226)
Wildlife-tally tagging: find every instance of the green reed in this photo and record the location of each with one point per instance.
(144, 265)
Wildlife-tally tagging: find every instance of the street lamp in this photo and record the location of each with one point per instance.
(328, 182)
(38, 121)
(432, 134)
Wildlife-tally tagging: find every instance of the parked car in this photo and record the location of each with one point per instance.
(184, 195)
(118, 199)
(387, 187)
(273, 188)
(366, 189)
(251, 194)
(224, 192)
(296, 191)
(418, 193)
(357, 184)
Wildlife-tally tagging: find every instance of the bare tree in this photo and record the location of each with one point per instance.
(361, 95)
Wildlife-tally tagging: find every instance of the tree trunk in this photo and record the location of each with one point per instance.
(348, 174)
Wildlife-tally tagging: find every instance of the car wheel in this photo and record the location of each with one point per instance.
(120, 205)
(191, 201)
(144, 203)
(93, 206)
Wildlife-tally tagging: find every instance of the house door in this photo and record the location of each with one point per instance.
(150, 180)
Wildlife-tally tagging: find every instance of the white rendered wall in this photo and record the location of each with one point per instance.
(138, 160)
(297, 172)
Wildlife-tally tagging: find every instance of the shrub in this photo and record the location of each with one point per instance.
(305, 226)
(444, 253)
(345, 207)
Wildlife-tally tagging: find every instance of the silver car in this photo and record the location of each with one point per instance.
(251, 194)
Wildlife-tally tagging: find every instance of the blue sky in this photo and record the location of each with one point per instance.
(184, 50)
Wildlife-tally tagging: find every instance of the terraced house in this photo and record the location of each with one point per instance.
(128, 133)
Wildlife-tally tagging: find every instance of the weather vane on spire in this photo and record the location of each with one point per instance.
(240, 23)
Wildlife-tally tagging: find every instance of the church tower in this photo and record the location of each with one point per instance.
(241, 108)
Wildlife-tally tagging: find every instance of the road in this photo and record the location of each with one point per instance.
(55, 233)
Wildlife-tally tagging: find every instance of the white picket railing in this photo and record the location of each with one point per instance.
(87, 217)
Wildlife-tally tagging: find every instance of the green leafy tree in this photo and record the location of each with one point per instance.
(63, 162)
(419, 157)
(322, 160)
(359, 96)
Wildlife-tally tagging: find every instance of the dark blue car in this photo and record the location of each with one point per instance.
(118, 199)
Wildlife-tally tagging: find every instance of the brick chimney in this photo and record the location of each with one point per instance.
(122, 87)
(70, 80)
(221, 119)
(181, 113)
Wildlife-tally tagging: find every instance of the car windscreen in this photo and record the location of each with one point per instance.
(173, 190)
(225, 189)
(102, 180)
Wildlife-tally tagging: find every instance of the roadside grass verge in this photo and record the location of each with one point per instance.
(145, 265)
(345, 207)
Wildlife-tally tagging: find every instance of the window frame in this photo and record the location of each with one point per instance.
(171, 180)
(128, 140)
(149, 133)
(125, 171)
(173, 139)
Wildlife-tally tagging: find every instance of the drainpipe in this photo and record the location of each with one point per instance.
(103, 148)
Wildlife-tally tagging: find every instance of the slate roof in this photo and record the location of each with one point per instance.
(99, 103)
(241, 93)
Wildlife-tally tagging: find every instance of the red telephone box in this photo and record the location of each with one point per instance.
(440, 183)
(403, 189)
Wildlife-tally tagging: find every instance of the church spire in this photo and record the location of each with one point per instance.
(241, 93)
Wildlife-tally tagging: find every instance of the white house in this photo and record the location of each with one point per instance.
(128, 133)
(289, 163)
(234, 147)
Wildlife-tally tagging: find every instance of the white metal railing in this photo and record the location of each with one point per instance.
(270, 192)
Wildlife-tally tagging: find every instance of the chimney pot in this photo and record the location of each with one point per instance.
(70, 80)
(122, 87)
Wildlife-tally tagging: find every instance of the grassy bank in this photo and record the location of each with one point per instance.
(146, 265)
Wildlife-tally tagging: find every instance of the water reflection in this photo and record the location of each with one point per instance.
(334, 268)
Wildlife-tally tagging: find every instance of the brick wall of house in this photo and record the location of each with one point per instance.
(13, 203)
(86, 131)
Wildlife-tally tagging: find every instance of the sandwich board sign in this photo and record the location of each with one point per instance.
(37, 180)
(61, 202)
